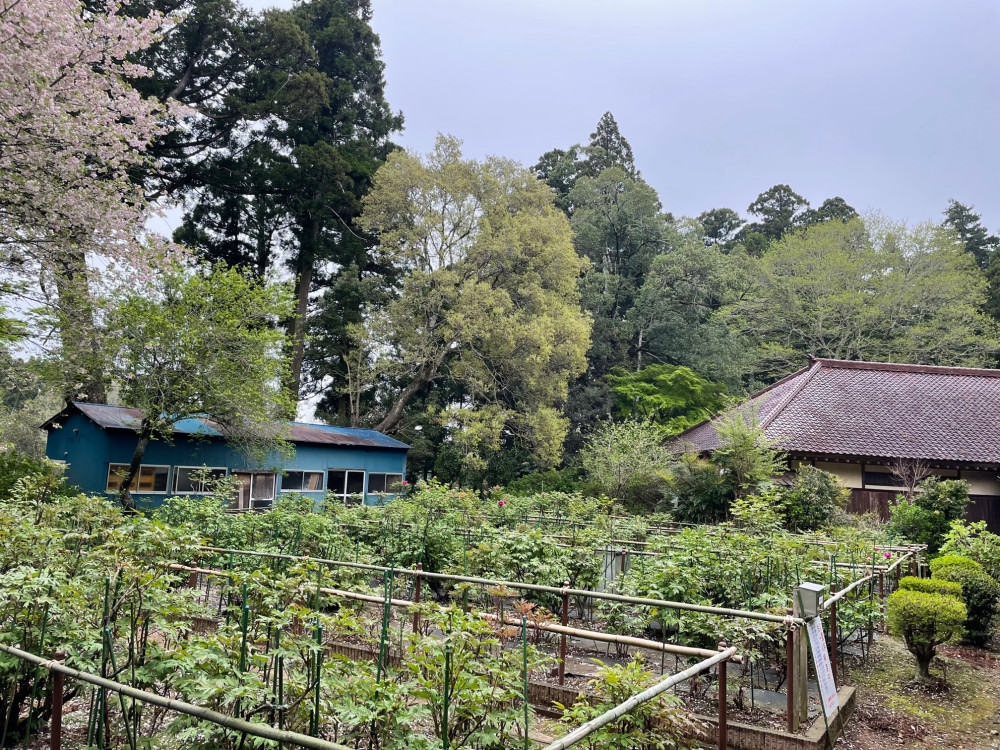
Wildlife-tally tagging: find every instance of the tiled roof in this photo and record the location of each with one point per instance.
(877, 410)
(122, 418)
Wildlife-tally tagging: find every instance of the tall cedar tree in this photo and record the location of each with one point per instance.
(290, 123)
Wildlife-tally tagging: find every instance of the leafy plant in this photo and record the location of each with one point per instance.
(925, 621)
(980, 594)
(927, 517)
(655, 725)
(974, 541)
(930, 586)
(814, 500)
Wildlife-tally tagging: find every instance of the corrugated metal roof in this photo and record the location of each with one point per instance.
(877, 409)
(123, 418)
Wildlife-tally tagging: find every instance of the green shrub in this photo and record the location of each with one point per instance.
(697, 492)
(931, 586)
(973, 540)
(940, 564)
(926, 518)
(661, 723)
(980, 594)
(554, 480)
(814, 499)
(924, 621)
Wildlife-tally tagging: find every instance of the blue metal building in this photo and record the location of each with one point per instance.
(96, 442)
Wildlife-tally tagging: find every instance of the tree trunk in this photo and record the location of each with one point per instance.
(924, 655)
(124, 495)
(77, 329)
(427, 372)
(300, 324)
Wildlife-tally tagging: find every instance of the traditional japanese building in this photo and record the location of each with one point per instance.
(878, 426)
(96, 443)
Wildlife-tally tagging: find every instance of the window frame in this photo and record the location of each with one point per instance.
(137, 476)
(369, 491)
(196, 468)
(322, 474)
(344, 495)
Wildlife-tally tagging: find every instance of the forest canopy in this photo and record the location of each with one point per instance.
(494, 315)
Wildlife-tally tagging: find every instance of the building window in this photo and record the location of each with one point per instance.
(389, 483)
(345, 484)
(150, 479)
(881, 479)
(302, 481)
(256, 489)
(196, 480)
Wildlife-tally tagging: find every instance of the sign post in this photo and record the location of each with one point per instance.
(824, 669)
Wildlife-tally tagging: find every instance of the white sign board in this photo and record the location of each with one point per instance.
(824, 671)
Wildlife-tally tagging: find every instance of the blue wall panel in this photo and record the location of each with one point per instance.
(89, 450)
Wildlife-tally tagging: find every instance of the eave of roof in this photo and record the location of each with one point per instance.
(878, 410)
(123, 418)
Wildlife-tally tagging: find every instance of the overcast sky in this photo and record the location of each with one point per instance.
(891, 104)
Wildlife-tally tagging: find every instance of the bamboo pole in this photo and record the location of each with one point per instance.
(552, 627)
(657, 603)
(246, 727)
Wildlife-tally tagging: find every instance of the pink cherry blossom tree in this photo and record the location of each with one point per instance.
(71, 128)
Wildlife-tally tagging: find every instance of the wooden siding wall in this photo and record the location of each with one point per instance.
(982, 508)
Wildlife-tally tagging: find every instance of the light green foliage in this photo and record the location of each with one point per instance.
(745, 452)
(816, 499)
(924, 621)
(973, 540)
(980, 594)
(661, 724)
(485, 683)
(758, 514)
(930, 586)
(673, 397)
(940, 565)
(627, 460)
(203, 345)
(866, 290)
(489, 296)
(927, 517)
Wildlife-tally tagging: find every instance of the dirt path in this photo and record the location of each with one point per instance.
(960, 712)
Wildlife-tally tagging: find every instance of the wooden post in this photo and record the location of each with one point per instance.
(791, 724)
(55, 729)
(416, 598)
(723, 722)
(833, 640)
(881, 585)
(193, 576)
(562, 638)
(800, 674)
(913, 565)
(624, 559)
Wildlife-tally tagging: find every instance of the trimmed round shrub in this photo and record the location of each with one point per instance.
(980, 594)
(947, 562)
(925, 621)
(931, 586)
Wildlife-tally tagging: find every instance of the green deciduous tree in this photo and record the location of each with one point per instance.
(487, 297)
(924, 622)
(866, 290)
(627, 460)
(202, 346)
(720, 226)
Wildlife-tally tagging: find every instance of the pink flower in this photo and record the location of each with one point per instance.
(887, 555)
(405, 483)
(502, 503)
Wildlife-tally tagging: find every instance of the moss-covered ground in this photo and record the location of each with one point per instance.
(960, 711)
